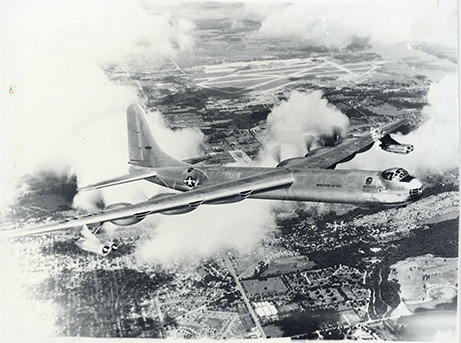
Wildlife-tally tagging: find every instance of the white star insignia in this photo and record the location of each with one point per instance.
(190, 181)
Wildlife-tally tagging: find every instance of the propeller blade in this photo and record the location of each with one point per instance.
(334, 138)
(337, 133)
(276, 153)
(309, 141)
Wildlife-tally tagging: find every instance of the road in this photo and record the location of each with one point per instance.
(229, 327)
(253, 315)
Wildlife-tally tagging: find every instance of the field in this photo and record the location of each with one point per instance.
(288, 265)
(426, 280)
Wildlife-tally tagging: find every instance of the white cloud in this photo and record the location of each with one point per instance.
(436, 141)
(334, 23)
(203, 233)
(300, 115)
(62, 113)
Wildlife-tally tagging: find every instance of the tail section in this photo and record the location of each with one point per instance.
(144, 149)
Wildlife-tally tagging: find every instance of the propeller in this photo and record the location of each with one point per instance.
(332, 140)
(309, 141)
(337, 133)
(276, 153)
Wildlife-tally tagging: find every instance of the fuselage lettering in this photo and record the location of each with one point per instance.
(328, 185)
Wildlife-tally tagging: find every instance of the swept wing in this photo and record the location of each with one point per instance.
(243, 187)
(346, 150)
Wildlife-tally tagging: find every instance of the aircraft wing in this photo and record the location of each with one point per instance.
(243, 187)
(347, 149)
(135, 176)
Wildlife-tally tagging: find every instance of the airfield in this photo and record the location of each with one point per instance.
(299, 275)
(316, 271)
(272, 75)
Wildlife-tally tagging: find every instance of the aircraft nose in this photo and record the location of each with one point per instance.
(416, 189)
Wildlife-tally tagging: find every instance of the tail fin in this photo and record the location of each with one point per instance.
(144, 149)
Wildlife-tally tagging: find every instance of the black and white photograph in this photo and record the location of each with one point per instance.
(229, 170)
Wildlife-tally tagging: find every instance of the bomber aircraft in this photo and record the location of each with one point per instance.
(312, 177)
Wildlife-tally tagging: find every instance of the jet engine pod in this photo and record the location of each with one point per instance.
(391, 145)
(93, 245)
(397, 148)
(89, 242)
(123, 221)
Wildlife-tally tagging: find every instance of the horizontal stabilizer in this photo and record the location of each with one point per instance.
(195, 160)
(119, 180)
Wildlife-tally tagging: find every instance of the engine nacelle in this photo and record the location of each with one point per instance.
(228, 200)
(131, 220)
(93, 245)
(179, 210)
(397, 148)
(173, 211)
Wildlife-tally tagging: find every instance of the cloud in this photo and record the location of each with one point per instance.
(201, 234)
(337, 23)
(300, 115)
(213, 229)
(21, 315)
(436, 141)
(181, 144)
(62, 113)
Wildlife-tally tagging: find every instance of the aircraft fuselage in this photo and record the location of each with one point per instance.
(364, 187)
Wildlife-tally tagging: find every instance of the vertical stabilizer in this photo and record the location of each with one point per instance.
(144, 149)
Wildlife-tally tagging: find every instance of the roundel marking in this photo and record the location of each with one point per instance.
(190, 181)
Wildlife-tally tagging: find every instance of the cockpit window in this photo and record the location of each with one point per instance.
(387, 175)
(394, 174)
(400, 173)
(407, 178)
